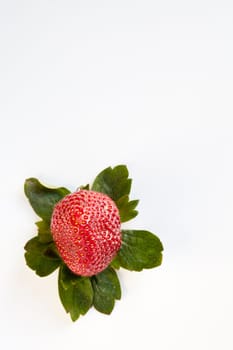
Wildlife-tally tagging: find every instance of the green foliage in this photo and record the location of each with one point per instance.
(78, 293)
(43, 199)
(85, 187)
(139, 250)
(115, 183)
(75, 292)
(115, 264)
(127, 208)
(41, 257)
(44, 234)
(106, 289)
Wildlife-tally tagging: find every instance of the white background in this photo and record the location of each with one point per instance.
(88, 84)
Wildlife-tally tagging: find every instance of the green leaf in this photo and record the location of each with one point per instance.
(115, 183)
(139, 250)
(86, 187)
(127, 208)
(75, 292)
(43, 199)
(41, 257)
(106, 289)
(115, 263)
(44, 233)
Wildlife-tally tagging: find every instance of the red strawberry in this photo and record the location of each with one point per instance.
(86, 229)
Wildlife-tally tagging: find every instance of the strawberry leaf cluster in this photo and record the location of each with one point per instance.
(139, 250)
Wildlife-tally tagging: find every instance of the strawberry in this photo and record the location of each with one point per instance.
(85, 226)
